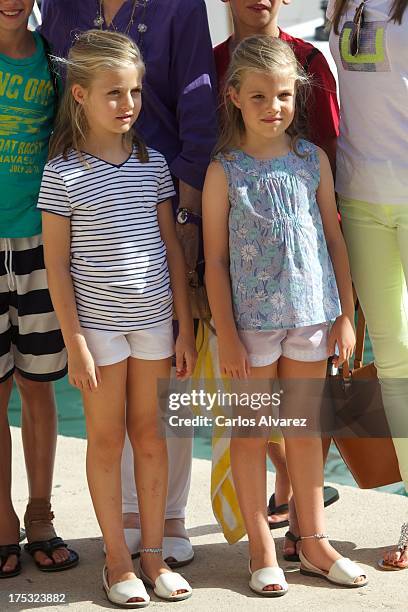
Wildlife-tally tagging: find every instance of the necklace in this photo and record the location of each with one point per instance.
(99, 20)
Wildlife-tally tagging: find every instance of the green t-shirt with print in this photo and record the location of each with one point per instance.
(27, 107)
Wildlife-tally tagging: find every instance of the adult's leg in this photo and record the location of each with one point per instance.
(9, 523)
(376, 239)
(179, 457)
(305, 463)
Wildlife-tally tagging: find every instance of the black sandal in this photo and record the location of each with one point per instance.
(330, 496)
(274, 509)
(5, 552)
(48, 547)
(295, 539)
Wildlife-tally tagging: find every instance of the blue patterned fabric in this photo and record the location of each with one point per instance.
(281, 273)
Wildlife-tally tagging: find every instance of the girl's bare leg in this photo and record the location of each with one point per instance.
(105, 423)
(150, 454)
(305, 463)
(248, 464)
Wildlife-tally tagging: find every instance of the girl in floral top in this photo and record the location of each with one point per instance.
(277, 275)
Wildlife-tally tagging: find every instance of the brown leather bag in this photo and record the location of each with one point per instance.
(371, 460)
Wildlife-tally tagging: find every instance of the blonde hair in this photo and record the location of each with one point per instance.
(396, 15)
(93, 51)
(262, 54)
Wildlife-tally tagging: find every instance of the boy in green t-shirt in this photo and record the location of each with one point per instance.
(31, 345)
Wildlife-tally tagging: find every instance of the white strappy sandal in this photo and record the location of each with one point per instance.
(343, 572)
(168, 583)
(267, 576)
(120, 592)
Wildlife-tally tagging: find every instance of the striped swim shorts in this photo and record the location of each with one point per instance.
(30, 336)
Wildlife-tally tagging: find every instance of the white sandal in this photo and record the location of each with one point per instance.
(174, 547)
(168, 583)
(179, 549)
(267, 576)
(120, 592)
(343, 572)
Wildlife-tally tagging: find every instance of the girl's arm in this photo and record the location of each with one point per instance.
(233, 357)
(342, 331)
(57, 245)
(186, 355)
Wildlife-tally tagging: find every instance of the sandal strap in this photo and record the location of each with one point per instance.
(403, 540)
(274, 509)
(45, 546)
(38, 509)
(6, 550)
(292, 537)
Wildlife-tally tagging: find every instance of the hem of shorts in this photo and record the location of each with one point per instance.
(295, 326)
(7, 376)
(306, 357)
(29, 235)
(264, 361)
(150, 357)
(111, 361)
(50, 377)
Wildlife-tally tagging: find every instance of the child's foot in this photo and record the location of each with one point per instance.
(9, 534)
(119, 571)
(320, 553)
(261, 561)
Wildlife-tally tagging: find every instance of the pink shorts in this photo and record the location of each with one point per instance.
(301, 344)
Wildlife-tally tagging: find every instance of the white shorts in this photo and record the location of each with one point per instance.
(108, 347)
(301, 344)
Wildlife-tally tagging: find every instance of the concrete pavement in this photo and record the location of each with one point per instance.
(361, 525)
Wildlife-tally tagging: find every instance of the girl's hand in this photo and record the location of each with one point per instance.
(82, 371)
(342, 333)
(234, 361)
(186, 356)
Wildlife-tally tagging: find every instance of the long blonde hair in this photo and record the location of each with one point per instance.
(263, 54)
(397, 12)
(93, 51)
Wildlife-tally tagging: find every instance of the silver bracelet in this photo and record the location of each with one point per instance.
(316, 536)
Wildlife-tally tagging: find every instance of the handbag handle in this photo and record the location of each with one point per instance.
(360, 341)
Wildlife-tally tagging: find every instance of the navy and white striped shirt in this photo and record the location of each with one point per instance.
(118, 259)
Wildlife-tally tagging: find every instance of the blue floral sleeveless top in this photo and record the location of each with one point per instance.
(281, 272)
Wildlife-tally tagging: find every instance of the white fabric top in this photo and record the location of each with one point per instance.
(118, 259)
(372, 153)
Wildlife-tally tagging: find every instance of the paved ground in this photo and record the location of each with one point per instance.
(361, 525)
